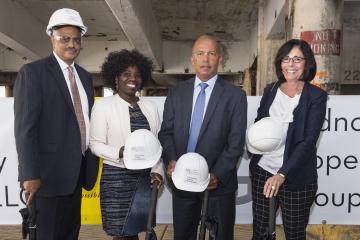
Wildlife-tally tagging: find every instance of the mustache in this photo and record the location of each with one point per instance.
(71, 49)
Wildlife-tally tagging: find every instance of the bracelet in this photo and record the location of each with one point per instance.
(282, 175)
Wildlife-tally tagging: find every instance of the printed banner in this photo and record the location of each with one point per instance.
(338, 197)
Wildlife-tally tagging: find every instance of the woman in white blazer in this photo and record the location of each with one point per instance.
(124, 193)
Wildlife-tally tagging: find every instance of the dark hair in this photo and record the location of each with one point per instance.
(310, 63)
(118, 61)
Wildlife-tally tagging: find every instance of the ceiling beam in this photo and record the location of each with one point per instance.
(139, 24)
(22, 32)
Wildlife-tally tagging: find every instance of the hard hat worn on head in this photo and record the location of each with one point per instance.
(142, 150)
(265, 136)
(65, 16)
(191, 173)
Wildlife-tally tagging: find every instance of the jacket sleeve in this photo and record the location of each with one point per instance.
(166, 133)
(98, 134)
(234, 147)
(27, 109)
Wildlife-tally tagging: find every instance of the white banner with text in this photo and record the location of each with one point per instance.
(337, 200)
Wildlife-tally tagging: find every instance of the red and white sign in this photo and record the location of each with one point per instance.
(324, 42)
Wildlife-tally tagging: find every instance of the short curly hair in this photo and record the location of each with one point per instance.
(118, 61)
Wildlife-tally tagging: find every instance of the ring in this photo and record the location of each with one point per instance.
(273, 187)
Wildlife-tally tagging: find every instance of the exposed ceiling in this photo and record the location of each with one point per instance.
(96, 15)
(229, 20)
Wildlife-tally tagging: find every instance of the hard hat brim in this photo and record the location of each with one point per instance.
(181, 184)
(82, 27)
(143, 164)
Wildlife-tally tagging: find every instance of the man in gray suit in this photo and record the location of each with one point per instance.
(53, 99)
(219, 138)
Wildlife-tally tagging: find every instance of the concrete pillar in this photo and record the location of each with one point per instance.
(247, 82)
(320, 24)
(9, 91)
(268, 42)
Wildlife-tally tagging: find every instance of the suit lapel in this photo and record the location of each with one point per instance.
(56, 71)
(213, 101)
(300, 113)
(271, 97)
(295, 131)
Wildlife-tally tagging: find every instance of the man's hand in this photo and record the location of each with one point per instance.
(30, 188)
(170, 168)
(213, 182)
(156, 179)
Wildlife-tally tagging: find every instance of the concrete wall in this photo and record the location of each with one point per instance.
(177, 56)
(274, 18)
(94, 52)
(350, 68)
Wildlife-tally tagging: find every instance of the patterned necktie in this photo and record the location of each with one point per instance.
(197, 118)
(78, 108)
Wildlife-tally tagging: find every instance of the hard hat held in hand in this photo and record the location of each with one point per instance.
(142, 150)
(65, 16)
(191, 173)
(265, 136)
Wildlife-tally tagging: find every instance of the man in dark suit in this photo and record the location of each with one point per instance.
(53, 99)
(219, 140)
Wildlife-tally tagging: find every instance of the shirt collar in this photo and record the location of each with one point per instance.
(63, 65)
(211, 82)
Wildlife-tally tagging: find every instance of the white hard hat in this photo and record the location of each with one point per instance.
(65, 16)
(191, 173)
(265, 136)
(142, 150)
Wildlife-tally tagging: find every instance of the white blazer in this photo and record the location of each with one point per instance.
(110, 126)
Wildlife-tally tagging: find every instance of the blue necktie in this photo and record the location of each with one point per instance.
(197, 118)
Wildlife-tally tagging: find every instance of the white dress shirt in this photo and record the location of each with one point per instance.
(83, 97)
(282, 110)
(197, 88)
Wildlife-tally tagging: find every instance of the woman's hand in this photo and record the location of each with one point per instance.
(272, 185)
(156, 179)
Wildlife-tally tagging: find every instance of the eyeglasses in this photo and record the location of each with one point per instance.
(295, 59)
(67, 39)
(202, 54)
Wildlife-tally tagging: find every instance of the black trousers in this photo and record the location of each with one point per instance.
(295, 206)
(187, 213)
(58, 218)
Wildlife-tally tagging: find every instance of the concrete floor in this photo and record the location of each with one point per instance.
(95, 232)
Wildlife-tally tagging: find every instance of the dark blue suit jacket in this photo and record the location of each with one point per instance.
(222, 133)
(299, 164)
(46, 130)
